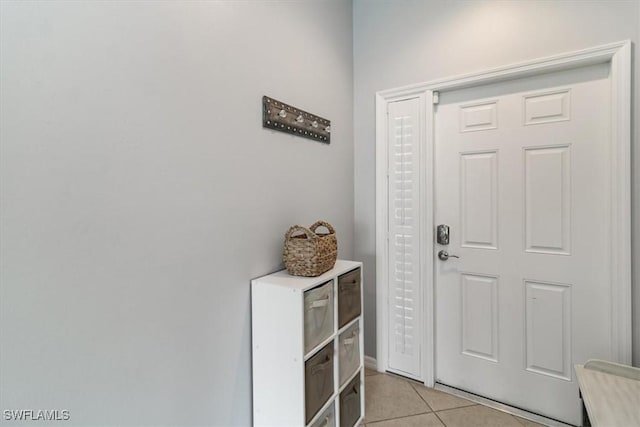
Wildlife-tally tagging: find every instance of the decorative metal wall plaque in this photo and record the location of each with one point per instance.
(277, 115)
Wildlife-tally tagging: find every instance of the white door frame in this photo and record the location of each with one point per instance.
(618, 55)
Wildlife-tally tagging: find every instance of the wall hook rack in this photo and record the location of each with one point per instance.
(283, 117)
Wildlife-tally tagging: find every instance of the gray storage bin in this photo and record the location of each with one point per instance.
(318, 380)
(350, 403)
(318, 315)
(348, 297)
(349, 352)
(327, 418)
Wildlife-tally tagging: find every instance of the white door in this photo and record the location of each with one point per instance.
(404, 287)
(522, 178)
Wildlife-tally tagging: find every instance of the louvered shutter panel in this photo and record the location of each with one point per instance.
(404, 251)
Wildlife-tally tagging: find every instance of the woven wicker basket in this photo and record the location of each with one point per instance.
(310, 253)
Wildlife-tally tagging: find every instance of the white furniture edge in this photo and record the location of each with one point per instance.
(609, 392)
(613, 368)
(282, 282)
(618, 54)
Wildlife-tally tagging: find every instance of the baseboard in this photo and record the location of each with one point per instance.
(370, 363)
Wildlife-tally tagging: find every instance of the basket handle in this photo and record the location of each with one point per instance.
(322, 224)
(294, 228)
(320, 303)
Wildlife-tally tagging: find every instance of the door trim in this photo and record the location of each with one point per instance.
(618, 55)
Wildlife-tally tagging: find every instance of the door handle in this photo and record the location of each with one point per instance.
(444, 255)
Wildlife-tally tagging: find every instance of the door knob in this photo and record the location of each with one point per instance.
(444, 255)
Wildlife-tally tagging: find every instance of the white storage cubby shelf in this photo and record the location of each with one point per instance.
(307, 338)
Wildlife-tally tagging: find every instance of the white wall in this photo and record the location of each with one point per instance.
(140, 194)
(398, 43)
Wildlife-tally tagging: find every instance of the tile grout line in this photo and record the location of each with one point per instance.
(463, 407)
(471, 403)
(429, 406)
(482, 406)
(517, 418)
(414, 384)
(410, 382)
(398, 418)
(422, 398)
(440, 419)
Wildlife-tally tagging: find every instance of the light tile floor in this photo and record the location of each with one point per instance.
(392, 401)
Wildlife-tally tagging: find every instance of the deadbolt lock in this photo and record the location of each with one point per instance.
(442, 234)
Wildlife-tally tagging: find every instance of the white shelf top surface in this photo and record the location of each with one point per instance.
(611, 400)
(283, 278)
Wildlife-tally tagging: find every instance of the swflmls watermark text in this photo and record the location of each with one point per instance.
(36, 415)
